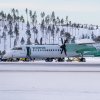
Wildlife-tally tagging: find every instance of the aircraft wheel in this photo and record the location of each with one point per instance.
(26, 59)
(17, 59)
(82, 60)
(60, 59)
(4, 60)
(9, 59)
(49, 60)
(33, 59)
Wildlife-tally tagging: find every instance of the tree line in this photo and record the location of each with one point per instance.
(50, 26)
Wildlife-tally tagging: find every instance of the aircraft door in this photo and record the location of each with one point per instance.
(28, 54)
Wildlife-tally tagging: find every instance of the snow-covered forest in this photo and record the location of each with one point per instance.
(17, 29)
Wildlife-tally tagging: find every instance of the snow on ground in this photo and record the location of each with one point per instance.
(50, 81)
(49, 67)
(49, 86)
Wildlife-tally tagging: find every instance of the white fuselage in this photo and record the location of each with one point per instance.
(36, 51)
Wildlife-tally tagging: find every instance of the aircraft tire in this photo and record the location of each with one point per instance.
(26, 59)
(49, 60)
(4, 60)
(9, 59)
(17, 59)
(60, 59)
(82, 60)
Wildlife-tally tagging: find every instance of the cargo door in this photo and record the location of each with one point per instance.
(28, 54)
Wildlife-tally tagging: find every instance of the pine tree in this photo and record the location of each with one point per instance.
(22, 41)
(14, 15)
(29, 41)
(17, 12)
(73, 40)
(47, 19)
(9, 17)
(97, 27)
(34, 18)
(58, 20)
(36, 41)
(15, 42)
(57, 29)
(26, 13)
(49, 32)
(42, 15)
(41, 41)
(22, 20)
(97, 39)
(28, 25)
(2, 17)
(62, 32)
(67, 36)
(28, 33)
(0, 53)
(93, 36)
(52, 16)
(30, 13)
(66, 19)
(0, 39)
(42, 27)
(36, 32)
(62, 21)
(5, 28)
(4, 37)
(10, 32)
(52, 32)
(16, 31)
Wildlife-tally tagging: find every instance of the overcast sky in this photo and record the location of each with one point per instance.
(82, 11)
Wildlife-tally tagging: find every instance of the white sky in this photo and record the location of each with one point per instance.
(83, 11)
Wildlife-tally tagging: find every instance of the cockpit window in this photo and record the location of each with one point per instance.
(17, 48)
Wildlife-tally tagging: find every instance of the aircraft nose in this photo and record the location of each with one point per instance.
(7, 55)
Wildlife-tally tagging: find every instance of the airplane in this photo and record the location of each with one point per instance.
(48, 52)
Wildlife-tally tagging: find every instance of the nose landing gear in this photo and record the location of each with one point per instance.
(82, 60)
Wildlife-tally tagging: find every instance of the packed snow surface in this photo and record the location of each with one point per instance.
(22, 81)
(49, 85)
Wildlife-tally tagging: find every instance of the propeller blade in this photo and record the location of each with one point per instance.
(65, 51)
(61, 51)
(62, 41)
(65, 41)
(63, 47)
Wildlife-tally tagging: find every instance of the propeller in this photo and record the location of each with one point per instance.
(63, 46)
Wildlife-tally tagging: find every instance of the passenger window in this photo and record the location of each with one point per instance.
(17, 48)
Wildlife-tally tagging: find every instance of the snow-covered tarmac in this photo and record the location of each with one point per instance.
(49, 81)
(50, 67)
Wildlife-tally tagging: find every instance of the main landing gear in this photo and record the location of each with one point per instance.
(49, 59)
(60, 59)
(76, 59)
(82, 60)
